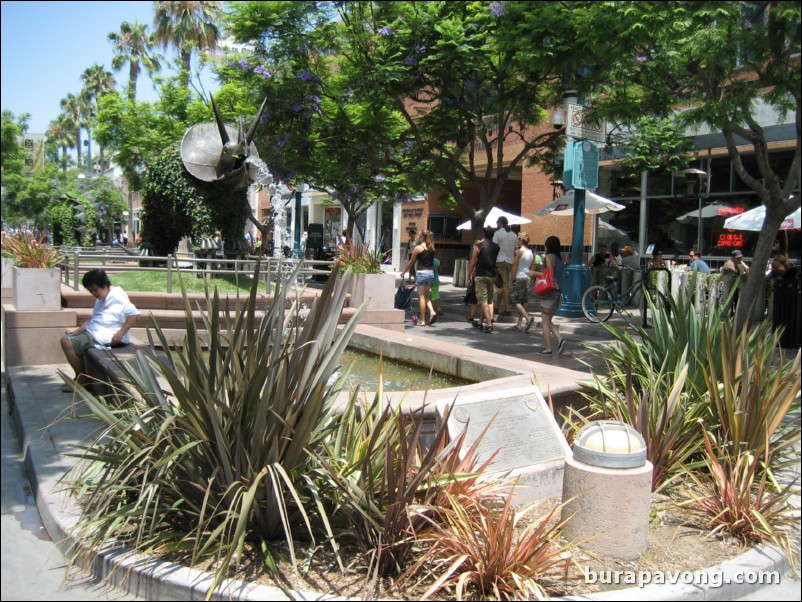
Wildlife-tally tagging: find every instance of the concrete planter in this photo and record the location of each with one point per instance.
(8, 265)
(377, 289)
(37, 289)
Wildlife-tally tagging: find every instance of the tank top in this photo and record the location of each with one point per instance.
(524, 263)
(559, 268)
(486, 259)
(425, 260)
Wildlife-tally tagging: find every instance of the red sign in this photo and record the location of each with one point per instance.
(730, 239)
(730, 210)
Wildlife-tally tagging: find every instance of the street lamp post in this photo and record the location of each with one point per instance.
(297, 253)
(88, 145)
(577, 277)
(692, 176)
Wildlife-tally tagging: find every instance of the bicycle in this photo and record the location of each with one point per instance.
(598, 302)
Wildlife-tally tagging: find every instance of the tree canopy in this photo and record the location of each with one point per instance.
(408, 95)
(732, 66)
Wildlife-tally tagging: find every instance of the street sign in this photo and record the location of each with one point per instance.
(586, 165)
(578, 128)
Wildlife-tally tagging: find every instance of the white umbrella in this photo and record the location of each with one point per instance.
(708, 211)
(594, 203)
(753, 219)
(492, 218)
(608, 230)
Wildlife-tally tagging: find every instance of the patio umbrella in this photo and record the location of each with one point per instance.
(609, 231)
(708, 211)
(753, 219)
(492, 218)
(594, 203)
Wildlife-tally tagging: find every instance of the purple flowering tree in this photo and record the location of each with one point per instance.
(430, 96)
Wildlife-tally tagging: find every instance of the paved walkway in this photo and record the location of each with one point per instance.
(48, 431)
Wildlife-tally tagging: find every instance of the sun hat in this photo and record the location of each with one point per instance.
(737, 253)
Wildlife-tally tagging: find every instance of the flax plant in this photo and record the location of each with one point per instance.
(739, 498)
(29, 252)
(753, 438)
(384, 471)
(212, 448)
(482, 552)
(753, 393)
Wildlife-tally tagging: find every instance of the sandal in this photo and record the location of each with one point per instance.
(529, 323)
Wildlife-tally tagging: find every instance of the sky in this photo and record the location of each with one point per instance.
(47, 45)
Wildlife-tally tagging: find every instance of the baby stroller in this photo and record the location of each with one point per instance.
(403, 297)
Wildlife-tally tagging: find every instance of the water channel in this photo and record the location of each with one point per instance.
(398, 376)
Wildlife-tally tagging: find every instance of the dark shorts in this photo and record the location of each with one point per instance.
(82, 342)
(505, 269)
(519, 291)
(550, 302)
(484, 289)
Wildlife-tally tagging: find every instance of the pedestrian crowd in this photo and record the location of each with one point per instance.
(501, 280)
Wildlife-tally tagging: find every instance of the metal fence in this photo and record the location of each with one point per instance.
(82, 259)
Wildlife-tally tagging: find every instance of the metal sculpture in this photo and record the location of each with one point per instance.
(217, 152)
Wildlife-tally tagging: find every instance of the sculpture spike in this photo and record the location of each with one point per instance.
(221, 126)
(254, 123)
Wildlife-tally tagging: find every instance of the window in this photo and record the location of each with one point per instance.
(444, 226)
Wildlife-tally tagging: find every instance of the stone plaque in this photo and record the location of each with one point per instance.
(522, 427)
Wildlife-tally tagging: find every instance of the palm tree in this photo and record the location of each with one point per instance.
(134, 46)
(76, 109)
(187, 25)
(61, 133)
(97, 82)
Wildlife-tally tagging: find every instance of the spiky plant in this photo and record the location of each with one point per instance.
(737, 497)
(30, 252)
(752, 393)
(212, 448)
(382, 471)
(478, 551)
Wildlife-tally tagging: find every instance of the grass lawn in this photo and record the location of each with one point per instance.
(156, 282)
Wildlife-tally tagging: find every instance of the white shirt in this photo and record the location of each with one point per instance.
(109, 314)
(524, 263)
(507, 242)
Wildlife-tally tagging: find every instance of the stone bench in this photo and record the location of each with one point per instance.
(105, 367)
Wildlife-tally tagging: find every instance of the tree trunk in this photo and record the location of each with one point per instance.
(775, 214)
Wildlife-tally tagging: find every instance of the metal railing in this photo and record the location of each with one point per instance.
(82, 259)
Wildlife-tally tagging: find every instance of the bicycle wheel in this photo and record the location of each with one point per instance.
(651, 300)
(597, 304)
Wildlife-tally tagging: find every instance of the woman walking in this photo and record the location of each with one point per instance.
(551, 302)
(519, 290)
(422, 260)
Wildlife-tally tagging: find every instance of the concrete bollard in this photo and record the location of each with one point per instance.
(607, 490)
(612, 503)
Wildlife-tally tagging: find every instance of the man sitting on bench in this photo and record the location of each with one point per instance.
(112, 317)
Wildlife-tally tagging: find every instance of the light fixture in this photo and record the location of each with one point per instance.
(558, 119)
(610, 444)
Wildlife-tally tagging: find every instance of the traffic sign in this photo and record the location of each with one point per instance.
(577, 127)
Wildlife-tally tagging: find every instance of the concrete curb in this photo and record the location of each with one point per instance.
(48, 439)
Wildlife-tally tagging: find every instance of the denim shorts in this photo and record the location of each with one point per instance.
(424, 277)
